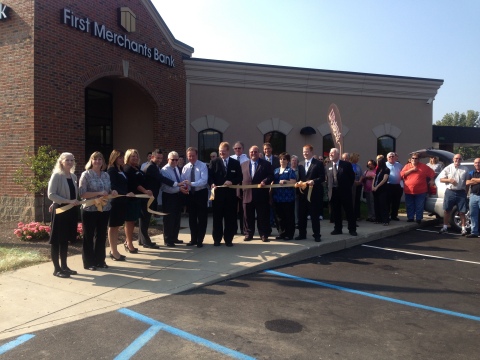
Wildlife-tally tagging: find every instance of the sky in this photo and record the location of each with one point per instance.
(436, 39)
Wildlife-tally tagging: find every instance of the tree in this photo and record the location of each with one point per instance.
(41, 166)
(457, 119)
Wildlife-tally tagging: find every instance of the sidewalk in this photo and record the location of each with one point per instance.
(32, 299)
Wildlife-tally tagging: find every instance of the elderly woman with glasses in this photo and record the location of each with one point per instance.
(415, 176)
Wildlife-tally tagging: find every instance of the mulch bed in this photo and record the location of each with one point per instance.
(8, 239)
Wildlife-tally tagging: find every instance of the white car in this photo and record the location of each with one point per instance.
(434, 202)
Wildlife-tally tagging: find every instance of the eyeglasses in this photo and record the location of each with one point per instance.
(414, 158)
(237, 148)
(253, 152)
(457, 158)
(173, 159)
(391, 156)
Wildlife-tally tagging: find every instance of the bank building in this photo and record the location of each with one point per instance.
(92, 75)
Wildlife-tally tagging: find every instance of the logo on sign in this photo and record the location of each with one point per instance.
(3, 12)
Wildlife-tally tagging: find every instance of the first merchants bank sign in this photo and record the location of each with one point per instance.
(3, 11)
(100, 31)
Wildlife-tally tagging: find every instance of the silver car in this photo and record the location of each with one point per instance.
(434, 202)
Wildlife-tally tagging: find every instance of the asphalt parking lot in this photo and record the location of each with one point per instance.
(411, 296)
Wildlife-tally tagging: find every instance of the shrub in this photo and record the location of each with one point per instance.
(79, 231)
(32, 231)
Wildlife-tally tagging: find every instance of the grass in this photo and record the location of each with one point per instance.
(12, 258)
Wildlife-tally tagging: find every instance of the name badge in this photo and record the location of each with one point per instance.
(232, 170)
(330, 168)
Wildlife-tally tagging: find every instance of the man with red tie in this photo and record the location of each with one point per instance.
(256, 172)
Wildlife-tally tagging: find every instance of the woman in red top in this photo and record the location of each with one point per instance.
(415, 176)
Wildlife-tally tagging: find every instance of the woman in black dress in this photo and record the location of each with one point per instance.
(63, 190)
(118, 214)
(135, 179)
(379, 189)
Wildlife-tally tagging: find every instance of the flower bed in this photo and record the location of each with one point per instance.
(32, 231)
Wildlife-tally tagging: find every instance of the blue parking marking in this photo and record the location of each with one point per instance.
(156, 326)
(14, 343)
(379, 297)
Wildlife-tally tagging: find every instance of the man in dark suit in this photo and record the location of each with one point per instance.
(256, 172)
(340, 179)
(224, 170)
(272, 159)
(312, 172)
(153, 181)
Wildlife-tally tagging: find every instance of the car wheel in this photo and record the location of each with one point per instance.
(456, 222)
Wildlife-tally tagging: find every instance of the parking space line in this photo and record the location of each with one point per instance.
(419, 254)
(177, 332)
(139, 342)
(379, 297)
(14, 343)
(436, 232)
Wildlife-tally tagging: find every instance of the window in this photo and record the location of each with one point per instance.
(278, 141)
(98, 123)
(327, 144)
(208, 141)
(385, 144)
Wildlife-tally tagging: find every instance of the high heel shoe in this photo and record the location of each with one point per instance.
(134, 251)
(121, 258)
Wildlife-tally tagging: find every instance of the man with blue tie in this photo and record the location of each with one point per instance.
(195, 175)
(172, 200)
(256, 172)
(312, 172)
(268, 155)
(224, 170)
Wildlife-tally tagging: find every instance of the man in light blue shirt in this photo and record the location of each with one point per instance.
(195, 175)
(394, 185)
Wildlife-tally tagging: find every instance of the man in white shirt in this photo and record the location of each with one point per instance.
(240, 156)
(195, 175)
(455, 176)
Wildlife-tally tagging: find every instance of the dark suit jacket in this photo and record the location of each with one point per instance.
(118, 181)
(345, 177)
(153, 179)
(217, 175)
(316, 172)
(275, 162)
(264, 173)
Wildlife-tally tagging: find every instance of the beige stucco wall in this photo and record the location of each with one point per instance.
(365, 117)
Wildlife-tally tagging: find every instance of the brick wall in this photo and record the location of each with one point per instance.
(50, 64)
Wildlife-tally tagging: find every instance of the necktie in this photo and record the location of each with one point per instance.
(308, 165)
(335, 182)
(192, 178)
(225, 162)
(176, 175)
(254, 168)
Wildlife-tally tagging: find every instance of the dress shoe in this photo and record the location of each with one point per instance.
(199, 245)
(287, 238)
(92, 268)
(248, 238)
(191, 243)
(170, 244)
(353, 233)
(229, 245)
(336, 232)
(178, 241)
(472, 236)
(121, 258)
(410, 220)
(69, 271)
(151, 246)
(318, 238)
(61, 274)
(216, 244)
(279, 237)
(127, 249)
(102, 266)
(301, 237)
(265, 239)
(395, 218)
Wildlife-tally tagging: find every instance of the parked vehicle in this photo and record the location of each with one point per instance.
(434, 201)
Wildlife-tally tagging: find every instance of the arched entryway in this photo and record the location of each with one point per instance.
(119, 114)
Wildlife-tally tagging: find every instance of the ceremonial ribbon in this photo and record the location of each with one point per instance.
(299, 185)
(102, 201)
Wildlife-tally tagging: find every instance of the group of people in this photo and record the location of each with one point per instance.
(240, 186)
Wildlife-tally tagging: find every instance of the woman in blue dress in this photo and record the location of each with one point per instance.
(284, 198)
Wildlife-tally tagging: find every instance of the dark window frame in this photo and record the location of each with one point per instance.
(204, 152)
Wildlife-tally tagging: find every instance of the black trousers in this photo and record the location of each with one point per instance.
(144, 222)
(394, 195)
(172, 204)
(285, 217)
(95, 225)
(358, 194)
(311, 208)
(342, 198)
(239, 211)
(380, 200)
(197, 202)
(262, 208)
(224, 215)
